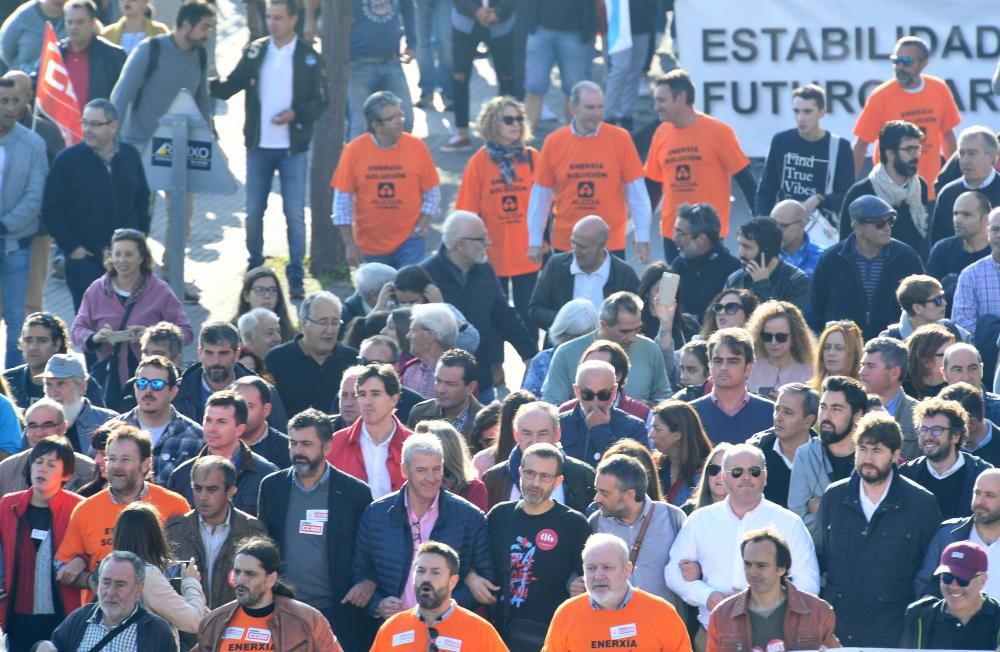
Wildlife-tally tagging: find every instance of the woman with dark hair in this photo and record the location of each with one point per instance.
(730, 308)
(361, 328)
(711, 486)
(508, 408)
(925, 349)
(262, 289)
(634, 449)
(138, 531)
(681, 448)
(118, 307)
(99, 442)
(486, 431)
(682, 327)
(396, 328)
(694, 371)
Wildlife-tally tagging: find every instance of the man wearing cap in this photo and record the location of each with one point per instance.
(856, 278)
(66, 383)
(965, 618)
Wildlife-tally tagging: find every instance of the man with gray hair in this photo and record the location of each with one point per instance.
(883, 369)
(433, 330)
(621, 323)
(117, 620)
(795, 412)
(589, 167)
(66, 383)
(368, 279)
(79, 211)
(307, 369)
(260, 331)
(385, 189)
(977, 154)
(703, 262)
(468, 282)
(419, 511)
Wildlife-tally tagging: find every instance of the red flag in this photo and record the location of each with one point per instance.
(55, 97)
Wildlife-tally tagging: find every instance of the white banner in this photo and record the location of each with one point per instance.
(746, 57)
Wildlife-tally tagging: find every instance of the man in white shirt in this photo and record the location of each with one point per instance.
(706, 565)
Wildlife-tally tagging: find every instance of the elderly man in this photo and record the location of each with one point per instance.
(620, 322)
(710, 538)
(534, 423)
(962, 363)
(589, 167)
(594, 424)
(454, 394)
(589, 272)
(260, 331)
(386, 189)
(612, 613)
(796, 247)
(66, 383)
(977, 155)
(433, 330)
(121, 577)
(307, 370)
(468, 282)
(368, 279)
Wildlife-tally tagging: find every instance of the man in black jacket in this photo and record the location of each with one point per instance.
(285, 84)
(765, 272)
(587, 272)
(873, 529)
(103, 58)
(703, 262)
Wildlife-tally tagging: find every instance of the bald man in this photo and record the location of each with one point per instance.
(796, 248)
(970, 243)
(589, 272)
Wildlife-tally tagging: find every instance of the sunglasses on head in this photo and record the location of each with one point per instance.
(781, 338)
(728, 308)
(511, 119)
(737, 472)
(143, 383)
(948, 578)
(590, 395)
(713, 470)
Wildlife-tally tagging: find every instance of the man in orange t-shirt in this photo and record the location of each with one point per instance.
(924, 100)
(692, 159)
(386, 189)
(589, 167)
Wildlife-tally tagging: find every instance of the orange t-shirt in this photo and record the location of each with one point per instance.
(589, 175)
(695, 165)
(461, 631)
(933, 109)
(388, 185)
(246, 632)
(92, 523)
(503, 208)
(647, 623)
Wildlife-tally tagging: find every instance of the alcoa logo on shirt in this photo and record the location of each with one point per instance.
(622, 637)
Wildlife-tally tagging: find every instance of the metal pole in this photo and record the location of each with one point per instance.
(177, 219)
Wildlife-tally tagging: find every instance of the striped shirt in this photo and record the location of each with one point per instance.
(870, 270)
(978, 293)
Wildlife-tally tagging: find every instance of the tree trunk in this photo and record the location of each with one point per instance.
(326, 251)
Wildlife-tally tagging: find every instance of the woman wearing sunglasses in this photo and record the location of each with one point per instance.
(923, 301)
(838, 352)
(925, 361)
(731, 308)
(681, 448)
(783, 347)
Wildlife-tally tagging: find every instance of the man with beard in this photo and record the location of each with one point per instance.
(175, 437)
(764, 271)
(536, 545)
(265, 615)
(829, 458)
(983, 528)
(66, 383)
(945, 469)
(312, 511)
(873, 529)
(437, 622)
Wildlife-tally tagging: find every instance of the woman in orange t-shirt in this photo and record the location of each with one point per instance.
(496, 185)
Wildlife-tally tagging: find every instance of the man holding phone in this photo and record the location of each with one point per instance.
(764, 271)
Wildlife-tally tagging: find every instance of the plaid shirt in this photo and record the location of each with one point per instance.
(181, 440)
(977, 294)
(126, 641)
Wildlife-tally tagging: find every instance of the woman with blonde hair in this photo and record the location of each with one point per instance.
(783, 347)
(838, 352)
(925, 359)
(459, 473)
(496, 186)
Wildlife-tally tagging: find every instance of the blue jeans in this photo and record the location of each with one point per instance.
(368, 77)
(261, 166)
(434, 38)
(14, 278)
(546, 47)
(411, 252)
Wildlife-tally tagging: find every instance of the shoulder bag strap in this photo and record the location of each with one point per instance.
(634, 553)
(110, 636)
(831, 165)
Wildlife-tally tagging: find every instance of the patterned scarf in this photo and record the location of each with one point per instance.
(505, 156)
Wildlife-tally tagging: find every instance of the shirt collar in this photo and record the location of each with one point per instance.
(893, 405)
(229, 519)
(142, 495)
(287, 47)
(406, 502)
(603, 271)
(98, 617)
(370, 441)
(572, 126)
(988, 438)
(988, 181)
(959, 463)
(322, 481)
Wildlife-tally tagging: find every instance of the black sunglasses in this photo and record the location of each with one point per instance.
(728, 308)
(882, 223)
(713, 470)
(737, 472)
(771, 337)
(511, 119)
(590, 395)
(948, 578)
(937, 301)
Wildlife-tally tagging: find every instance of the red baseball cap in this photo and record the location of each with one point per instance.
(963, 559)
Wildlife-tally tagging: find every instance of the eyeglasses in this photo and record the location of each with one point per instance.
(781, 338)
(432, 635)
(937, 301)
(530, 475)
(143, 383)
(906, 61)
(934, 431)
(728, 308)
(678, 234)
(34, 427)
(912, 149)
(263, 290)
(882, 223)
(88, 124)
(590, 395)
(948, 578)
(364, 362)
(483, 239)
(391, 118)
(511, 119)
(713, 470)
(754, 471)
(326, 323)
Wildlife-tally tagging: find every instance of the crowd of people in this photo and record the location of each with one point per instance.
(786, 446)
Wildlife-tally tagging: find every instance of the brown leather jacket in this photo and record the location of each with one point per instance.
(809, 623)
(294, 625)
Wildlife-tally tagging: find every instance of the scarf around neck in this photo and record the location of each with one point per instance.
(505, 156)
(895, 195)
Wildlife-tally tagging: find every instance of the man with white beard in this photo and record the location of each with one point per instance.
(66, 383)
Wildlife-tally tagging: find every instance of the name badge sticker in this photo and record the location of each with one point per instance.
(311, 527)
(317, 515)
(235, 633)
(39, 534)
(623, 631)
(449, 644)
(403, 638)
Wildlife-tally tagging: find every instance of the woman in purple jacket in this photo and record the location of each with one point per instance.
(118, 307)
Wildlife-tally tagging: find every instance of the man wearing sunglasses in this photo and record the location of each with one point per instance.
(856, 278)
(965, 618)
(710, 539)
(910, 92)
(873, 530)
